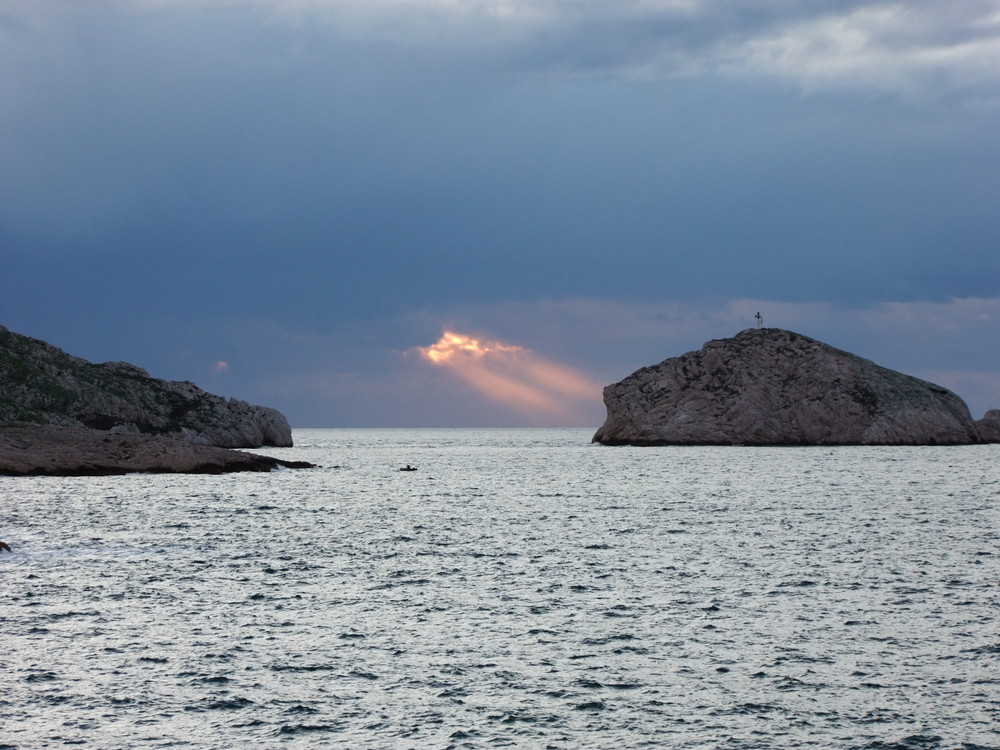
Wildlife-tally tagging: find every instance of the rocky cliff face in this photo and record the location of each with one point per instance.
(773, 387)
(42, 384)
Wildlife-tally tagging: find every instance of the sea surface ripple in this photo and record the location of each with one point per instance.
(522, 588)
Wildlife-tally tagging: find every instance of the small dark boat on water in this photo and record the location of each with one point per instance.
(407, 468)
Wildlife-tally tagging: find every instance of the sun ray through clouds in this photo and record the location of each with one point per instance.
(545, 391)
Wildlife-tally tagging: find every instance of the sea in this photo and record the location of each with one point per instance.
(523, 588)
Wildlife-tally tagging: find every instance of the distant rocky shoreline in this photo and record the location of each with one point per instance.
(62, 415)
(769, 386)
(46, 450)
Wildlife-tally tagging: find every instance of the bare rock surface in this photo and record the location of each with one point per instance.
(28, 449)
(42, 384)
(989, 426)
(770, 386)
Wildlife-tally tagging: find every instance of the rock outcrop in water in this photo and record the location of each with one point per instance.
(774, 387)
(989, 426)
(42, 384)
(79, 451)
(62, 415)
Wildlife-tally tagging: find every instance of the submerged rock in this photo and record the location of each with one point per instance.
(42, 384)
(79, 451)
(769, 386)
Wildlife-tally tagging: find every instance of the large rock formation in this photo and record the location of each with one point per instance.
(27, 449)
(42, 384)
(773, 387)
(989, 426)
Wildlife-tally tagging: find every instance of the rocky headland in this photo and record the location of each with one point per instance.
(42, 384)
(769, 386)
(60, 414)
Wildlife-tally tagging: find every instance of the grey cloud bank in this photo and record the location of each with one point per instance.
(307, 190)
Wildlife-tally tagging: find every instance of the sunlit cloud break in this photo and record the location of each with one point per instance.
(514, 376)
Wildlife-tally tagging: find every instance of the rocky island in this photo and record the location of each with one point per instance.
(769, 386)
(61, 414)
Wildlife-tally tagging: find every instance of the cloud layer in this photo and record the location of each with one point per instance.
(920, 48)
(307, 189)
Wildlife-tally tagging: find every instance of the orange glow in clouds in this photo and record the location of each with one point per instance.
(514, 376)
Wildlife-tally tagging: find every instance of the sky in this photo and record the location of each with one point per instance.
(378, 213)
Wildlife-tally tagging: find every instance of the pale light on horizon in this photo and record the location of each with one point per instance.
(515, 376)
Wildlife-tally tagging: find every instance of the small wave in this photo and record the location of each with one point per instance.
(73, 613)
(878, 716)
(302, 667)
(523, 716)
(291, 729)
(609, 639)
(41, 677)
(299, 708)
(993, 648)
(790, 683)
(913, 742)
(251, 724)
(217, 679)
(232, 704)
(747, 709)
